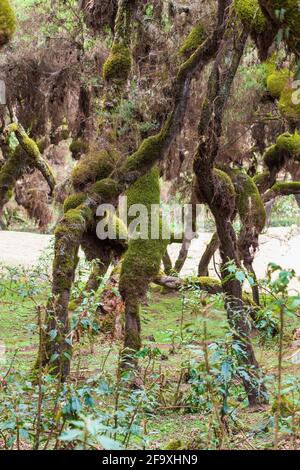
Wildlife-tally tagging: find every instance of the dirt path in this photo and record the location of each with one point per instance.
(278, 245)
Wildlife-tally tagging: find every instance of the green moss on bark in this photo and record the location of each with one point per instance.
(277, 81)
(148, 153)
(193, 40)
(107, 188)
(142, 260)
(289, 103)
(250, 206)
(287, 147)
(7, 22)
(95, 166)
(251, 15)
(118, 64)
(73, 201)
(225, 180)
(289, 143)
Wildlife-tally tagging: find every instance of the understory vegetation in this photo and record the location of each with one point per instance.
(187, 393)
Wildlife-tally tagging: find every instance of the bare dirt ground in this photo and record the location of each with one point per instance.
(277, 245)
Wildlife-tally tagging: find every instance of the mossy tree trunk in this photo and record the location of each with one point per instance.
(26, 155)
(79, 218)
(214, 190)
(141, 263)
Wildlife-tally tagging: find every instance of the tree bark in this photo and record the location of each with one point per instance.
(213, 245)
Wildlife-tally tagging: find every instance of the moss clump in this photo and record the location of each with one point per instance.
(289, 103)
(225, 182)
(262, 181)
(194, 39)
(73, 201)
(290, 144)
(274, 159)
(148, 153)
(7, 22)
(146, 190)
(106, 188)
(175, 444)
(118, 64)
(287, 147)
(251, 15)
(250, 206)
(210, 285)
(143, 258)
(277, 81)
(10, 172)
(95, 166)
(78, 147)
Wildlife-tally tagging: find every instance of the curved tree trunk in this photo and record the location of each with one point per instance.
(167, 262)
(214, 189)
(207, 256)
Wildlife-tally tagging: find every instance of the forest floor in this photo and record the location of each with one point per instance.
(174, 332)
(173, 336)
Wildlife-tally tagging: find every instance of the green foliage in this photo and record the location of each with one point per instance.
(180, 400)
(285, 212)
